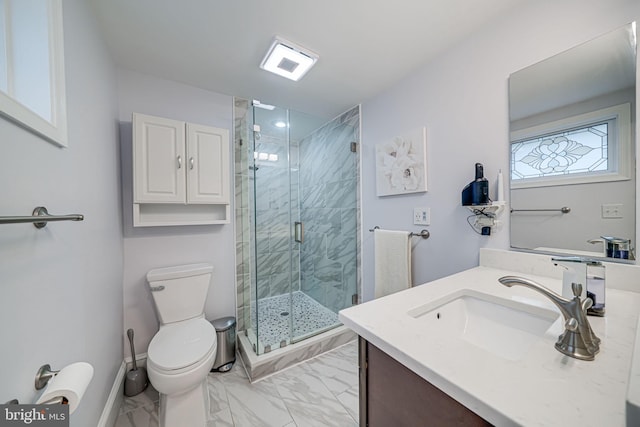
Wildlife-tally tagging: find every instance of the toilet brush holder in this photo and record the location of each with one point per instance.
(136, 380)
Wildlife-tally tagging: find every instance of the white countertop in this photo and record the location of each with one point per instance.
(543, 388)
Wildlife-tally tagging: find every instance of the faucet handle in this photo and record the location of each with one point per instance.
(587, 303)
(571, 324)
(577, 289)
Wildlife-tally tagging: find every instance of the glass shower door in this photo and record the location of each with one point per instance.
(324, 201)
(304, 216)
(271, 229)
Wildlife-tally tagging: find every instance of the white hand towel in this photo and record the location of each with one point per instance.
(392, 260)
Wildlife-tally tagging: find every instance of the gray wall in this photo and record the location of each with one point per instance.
(146, 248)
(62, 285)
(461, 97)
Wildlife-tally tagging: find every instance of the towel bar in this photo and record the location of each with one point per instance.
(423, 233)
(563, 209)
(40, 217)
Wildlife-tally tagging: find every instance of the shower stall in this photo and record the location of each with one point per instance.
(297, 233)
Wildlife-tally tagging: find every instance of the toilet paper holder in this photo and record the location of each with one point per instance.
(43, 376)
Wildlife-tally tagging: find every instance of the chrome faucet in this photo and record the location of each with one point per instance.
(578, 339)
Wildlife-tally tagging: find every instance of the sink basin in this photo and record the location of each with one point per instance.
(503, 327)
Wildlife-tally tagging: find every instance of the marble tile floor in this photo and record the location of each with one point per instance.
(322, 392)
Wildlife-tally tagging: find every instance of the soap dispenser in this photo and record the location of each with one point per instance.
(590, 274)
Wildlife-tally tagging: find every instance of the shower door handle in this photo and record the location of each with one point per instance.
(299, 232)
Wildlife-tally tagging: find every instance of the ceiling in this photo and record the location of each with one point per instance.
(364, 45)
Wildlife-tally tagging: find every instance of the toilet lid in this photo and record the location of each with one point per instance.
(183, 344)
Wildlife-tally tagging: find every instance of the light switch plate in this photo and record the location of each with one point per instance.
(613, 210)
(421, 216)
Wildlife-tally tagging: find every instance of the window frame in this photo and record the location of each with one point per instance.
(54, 131)
(619, 147)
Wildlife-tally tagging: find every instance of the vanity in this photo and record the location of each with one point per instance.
(466, 350)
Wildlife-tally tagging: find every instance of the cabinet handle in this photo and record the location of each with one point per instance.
(191, 163)
(179, 162)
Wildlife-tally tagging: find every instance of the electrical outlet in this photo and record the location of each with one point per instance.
(421, 216)
(613, 210)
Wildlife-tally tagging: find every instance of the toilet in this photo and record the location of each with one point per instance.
(183, 351)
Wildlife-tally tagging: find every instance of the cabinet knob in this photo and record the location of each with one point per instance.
(190, 162)
(179, 162)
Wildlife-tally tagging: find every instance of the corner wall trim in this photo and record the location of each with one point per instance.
(114, 401)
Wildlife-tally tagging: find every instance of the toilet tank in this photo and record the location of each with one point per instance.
(180, 292)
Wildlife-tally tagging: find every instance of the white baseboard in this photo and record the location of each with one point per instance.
(114, 401)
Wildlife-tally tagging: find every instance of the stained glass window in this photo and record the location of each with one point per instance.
(582, 150)
(594, 146)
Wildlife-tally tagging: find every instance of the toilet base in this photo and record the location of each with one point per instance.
(190, 408)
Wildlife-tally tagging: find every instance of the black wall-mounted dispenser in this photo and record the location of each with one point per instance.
(476, 192)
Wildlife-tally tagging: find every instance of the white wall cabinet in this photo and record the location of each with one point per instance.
(180, 173)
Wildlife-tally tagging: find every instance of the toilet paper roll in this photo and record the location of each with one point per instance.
(71, 383)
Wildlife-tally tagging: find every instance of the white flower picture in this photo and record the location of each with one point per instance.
(401, 164)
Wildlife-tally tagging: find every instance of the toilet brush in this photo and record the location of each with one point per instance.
(136, 380)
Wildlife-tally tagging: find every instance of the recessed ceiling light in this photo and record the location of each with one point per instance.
(280, 124)
(288, 60)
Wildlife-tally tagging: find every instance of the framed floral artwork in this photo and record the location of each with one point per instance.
(401, 164)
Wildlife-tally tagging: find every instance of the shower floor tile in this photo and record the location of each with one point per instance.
(274, 318)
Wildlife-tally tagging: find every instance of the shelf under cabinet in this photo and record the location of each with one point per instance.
(167, 214)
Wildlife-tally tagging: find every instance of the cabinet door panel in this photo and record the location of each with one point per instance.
(207, 164)
(395, 396)
(159, 160)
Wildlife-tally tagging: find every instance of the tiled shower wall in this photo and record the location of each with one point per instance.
(328, 187)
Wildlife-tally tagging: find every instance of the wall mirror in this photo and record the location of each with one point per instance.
(572, 142)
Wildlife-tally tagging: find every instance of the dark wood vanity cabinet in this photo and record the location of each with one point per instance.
(393, 395)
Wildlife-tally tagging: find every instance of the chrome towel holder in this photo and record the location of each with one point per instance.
(39, 218)
(423, 233)
(564, 210)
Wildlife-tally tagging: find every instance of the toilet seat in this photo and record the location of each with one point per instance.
(178, 347)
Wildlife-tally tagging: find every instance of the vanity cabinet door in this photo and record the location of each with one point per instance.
(393, 395)
(207, 164)
(158, 159)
